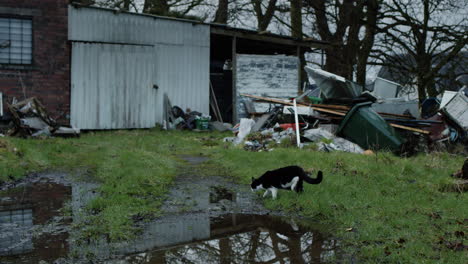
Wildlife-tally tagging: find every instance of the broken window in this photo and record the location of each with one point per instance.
(15, 41)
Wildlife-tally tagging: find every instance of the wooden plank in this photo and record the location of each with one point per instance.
(331, 112)
(278, 101)
(272, 100)
(396, 115)
(411, 129)
(328, 111)
(299, 70)
(234, 79)
(214, 103)
(340, 107)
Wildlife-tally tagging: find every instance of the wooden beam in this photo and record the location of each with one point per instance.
(234, 80)
(396, 115)
(299, 69)
(320, 109)
(214, 104)
(278, 101)
(339, 107)
(253, 35)
(328, 111)
(411, 129)
(267, 99)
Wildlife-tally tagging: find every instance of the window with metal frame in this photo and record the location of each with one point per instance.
(15, 41)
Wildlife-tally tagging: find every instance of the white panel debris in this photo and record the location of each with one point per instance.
(457, 109)
(265, 75)
(446, 97)
(385, 89)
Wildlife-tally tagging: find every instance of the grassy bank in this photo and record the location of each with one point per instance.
(387, 209)
(134, 169)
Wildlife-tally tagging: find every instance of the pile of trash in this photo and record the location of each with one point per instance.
(191, 120)
(176, 118)
(30, 119)
(267, 139)
(341, 115)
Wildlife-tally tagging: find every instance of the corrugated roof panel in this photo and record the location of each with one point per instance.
(100, 25)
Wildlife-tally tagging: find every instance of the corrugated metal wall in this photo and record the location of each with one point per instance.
(112, 91)
(134, 52)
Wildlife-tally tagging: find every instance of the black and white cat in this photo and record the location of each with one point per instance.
(288, 178)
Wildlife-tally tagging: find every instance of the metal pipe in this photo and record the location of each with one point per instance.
(296, 118)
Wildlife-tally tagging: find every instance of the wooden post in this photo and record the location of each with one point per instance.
(299, 70)
(321, 59)
(234, 90)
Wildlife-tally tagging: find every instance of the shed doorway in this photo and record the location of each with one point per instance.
(112, 86)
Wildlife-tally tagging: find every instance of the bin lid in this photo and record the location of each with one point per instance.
(350, 114)
(382, 133)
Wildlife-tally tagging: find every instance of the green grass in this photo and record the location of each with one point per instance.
(134, 169)
(395, 206)
(386, 208)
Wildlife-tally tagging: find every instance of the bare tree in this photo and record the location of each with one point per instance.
(222, 12)
(349, 25)
(156, 7)
(123, 5)
(173, 8)
(296, 31)
(263, 12)
(296, 18)
(420, 38)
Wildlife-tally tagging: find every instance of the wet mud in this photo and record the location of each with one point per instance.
(205, 220)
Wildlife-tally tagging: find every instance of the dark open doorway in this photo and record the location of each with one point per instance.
(221, 74)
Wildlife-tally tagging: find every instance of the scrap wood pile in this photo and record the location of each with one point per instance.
(349, 120)
(30, 118)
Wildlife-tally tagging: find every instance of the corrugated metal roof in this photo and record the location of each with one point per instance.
(309, 41)
(101, 25)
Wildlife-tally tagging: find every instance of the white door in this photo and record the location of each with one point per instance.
(112, 86)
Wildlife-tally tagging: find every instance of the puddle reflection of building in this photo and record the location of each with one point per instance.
(194, 237)
(23, 212)
(161, 233)
(15, 225)
(247, 239)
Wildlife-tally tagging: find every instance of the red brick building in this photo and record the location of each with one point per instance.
(35, 53)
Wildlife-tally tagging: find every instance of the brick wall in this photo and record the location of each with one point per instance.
(48, 78)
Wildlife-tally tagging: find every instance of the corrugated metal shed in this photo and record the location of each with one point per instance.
(112, 91)
(117, 58)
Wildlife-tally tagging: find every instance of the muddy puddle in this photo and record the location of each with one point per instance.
(207, 220)
(238, 238)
